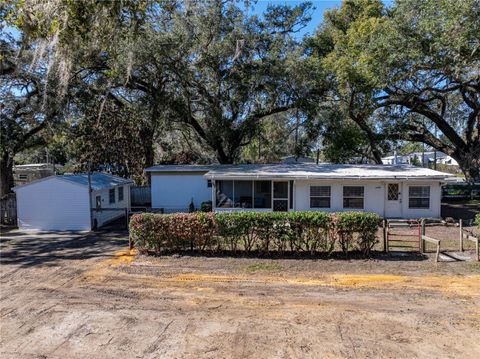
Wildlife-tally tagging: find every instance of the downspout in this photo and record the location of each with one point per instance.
(90, 197)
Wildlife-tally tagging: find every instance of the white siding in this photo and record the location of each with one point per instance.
(374, 197)
(104, 217)
(174, 192)
(435, 201)
(53, 205)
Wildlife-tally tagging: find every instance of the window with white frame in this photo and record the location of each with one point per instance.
(353, 197)
(111, 196)
(419, 197)
(320, 196)
(120, 193)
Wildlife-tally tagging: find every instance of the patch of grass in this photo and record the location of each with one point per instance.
(263, 267)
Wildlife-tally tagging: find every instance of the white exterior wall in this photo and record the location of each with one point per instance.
(104, 217)
(53, 205)
(375, 197)
(174, 192)
(435, 201)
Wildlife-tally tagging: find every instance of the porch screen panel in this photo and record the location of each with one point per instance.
(224, 194)
(262, 194)
(291, 196)
(243, 194)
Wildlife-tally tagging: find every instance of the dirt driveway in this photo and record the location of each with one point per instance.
(86, 296)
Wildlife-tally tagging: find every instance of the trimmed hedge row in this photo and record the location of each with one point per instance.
(264, 232)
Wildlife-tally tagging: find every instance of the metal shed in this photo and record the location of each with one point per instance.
(58, 203)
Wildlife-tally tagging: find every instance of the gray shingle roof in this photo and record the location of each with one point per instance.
(180, 168)
(325, 171)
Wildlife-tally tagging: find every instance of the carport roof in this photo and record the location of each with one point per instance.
(99, 180)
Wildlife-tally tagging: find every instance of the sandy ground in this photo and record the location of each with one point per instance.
(87, 296)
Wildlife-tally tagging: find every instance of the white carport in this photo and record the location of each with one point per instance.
(61, 203)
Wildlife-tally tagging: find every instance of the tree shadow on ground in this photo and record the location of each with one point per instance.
(374, 255)
(53, 248)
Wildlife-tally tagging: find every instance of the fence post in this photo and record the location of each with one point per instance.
(461, 235)
(422, 233)
(384, 228)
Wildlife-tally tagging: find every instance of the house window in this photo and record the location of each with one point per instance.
(111, 196)
(419, 197)
(320, 196)
(98, 202)
(209, 183)
(353, 197)
(22, 177)
(392, 191)
(120, 193)
(243, 194)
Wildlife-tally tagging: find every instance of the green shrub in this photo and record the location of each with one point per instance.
(206, 206)
(357, 229)
(477, 220)
(264, 232)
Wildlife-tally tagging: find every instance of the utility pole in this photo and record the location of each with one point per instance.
(435, 152)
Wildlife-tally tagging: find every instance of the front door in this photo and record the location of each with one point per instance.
(393, 202)
(280, 196)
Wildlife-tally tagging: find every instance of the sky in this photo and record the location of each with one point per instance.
(319, 7)
(317, 15)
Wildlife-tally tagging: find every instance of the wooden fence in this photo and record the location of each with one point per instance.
(140, 196)
(395, 237)
(468, 235)
(463, 235)
(8, 209)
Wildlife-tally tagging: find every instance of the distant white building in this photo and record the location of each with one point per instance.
(23, 174)
(293, 159)
(402, 191)
(61, 203)
(416, 157)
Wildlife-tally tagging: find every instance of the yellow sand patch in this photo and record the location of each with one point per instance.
(125, 256)
(460, 285)
(122, 257)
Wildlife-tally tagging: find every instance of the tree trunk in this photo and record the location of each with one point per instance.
(469, 162)
(224, 158)
(6, 174)
(149, 153)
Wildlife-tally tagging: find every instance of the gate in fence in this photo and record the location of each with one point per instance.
(401, 234)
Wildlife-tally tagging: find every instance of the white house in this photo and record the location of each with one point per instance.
(58, 203)
(391, 191)
(174, 187)
(416, 157)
